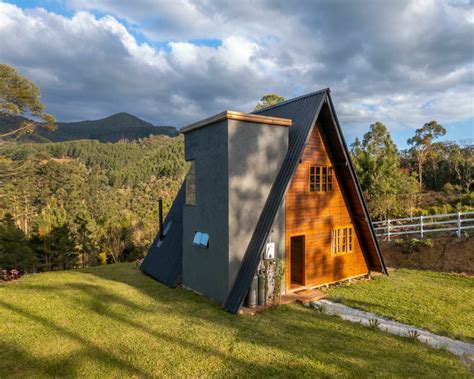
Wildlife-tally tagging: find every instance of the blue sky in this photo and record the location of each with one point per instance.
(402, 63)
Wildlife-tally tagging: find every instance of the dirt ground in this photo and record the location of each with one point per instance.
(448, 254)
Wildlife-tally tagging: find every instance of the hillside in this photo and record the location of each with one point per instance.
(100, 197)
(110, 129)
(113, 321)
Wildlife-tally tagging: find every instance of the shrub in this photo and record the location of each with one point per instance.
(411, 245)
(102, 257)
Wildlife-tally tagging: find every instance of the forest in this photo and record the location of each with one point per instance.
(91, 197)
(83, 203)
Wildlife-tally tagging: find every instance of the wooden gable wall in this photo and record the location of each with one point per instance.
(315, 215)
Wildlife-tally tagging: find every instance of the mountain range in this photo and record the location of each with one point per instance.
(110, 129)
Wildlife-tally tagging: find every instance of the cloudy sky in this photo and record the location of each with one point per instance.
(172, 62)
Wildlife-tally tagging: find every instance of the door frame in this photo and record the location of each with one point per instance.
(288, 271)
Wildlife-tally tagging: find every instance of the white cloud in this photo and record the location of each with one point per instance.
(402, 63)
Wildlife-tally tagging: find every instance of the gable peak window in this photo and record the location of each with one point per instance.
(191, 185)
(320, 178)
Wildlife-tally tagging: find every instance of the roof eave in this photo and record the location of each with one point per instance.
(233, 115)
(357, 184)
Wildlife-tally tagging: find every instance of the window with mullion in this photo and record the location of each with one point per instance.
(342, 240)
(320, 178)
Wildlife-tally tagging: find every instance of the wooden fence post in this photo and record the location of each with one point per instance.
(458, 232)
(388, 230)
(421, 226)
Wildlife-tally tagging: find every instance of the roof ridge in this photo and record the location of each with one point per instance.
(292, 100)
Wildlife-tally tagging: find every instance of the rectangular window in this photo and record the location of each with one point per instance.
(342, 240)
(320, 178)
(191, 185)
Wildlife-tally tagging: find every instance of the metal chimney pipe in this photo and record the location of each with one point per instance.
(160, 212)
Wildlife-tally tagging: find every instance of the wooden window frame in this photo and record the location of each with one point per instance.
(320, 178)
(342, 240)
(190, 186)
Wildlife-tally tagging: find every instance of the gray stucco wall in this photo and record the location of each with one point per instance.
(206, 270)
(256, 153)
(236, 164)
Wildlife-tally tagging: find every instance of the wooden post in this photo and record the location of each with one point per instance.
(458, 232)
(421, 226)
(388, 229)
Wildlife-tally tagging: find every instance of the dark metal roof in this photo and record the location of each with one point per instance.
(164, 260)
(304, 111)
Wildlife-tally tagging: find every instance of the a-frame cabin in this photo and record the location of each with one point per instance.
(281, 176)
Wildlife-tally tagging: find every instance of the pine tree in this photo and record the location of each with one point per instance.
(377, 165)
(15, 251)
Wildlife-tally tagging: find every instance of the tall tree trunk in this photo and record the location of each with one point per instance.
(27, 213)
(420, 173)
(421, 159)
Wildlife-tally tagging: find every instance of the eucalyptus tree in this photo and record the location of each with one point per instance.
(422, 143)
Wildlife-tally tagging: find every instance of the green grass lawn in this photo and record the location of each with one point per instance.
(113, 321)
(439, 302)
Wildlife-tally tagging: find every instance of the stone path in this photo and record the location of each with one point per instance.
(464, 350)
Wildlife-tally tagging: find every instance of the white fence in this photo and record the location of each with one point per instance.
(422, 225)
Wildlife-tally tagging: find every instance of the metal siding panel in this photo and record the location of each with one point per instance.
(165, 263)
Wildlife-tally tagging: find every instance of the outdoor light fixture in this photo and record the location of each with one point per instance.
(201, 240)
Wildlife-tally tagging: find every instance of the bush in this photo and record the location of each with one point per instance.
(102, 258)
(411, 245)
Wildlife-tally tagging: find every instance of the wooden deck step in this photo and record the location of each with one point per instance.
(303, 296)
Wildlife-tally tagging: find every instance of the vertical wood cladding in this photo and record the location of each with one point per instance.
(316, 214)
(297, 259)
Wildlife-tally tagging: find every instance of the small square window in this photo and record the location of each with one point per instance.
(320, 178)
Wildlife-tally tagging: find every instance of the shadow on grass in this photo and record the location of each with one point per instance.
(90, 351)
(311, 344)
